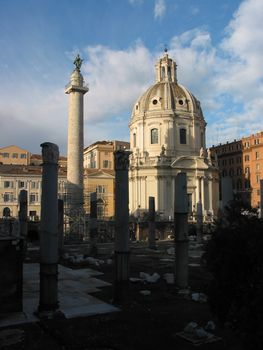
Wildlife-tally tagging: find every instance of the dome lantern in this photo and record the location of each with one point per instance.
(166, 70)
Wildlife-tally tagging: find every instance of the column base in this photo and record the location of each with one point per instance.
(48, 301)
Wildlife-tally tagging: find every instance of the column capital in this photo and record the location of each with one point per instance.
(121, 160)
(50, 153)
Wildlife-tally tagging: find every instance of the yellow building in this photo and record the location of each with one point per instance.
(99, 155)
(14, 178)
(102, 182)
(99, 175)
(14, 155)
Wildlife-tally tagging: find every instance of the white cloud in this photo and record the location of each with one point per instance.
(159, 9)
(116, 79)
(136, 2)
(194, 10)
(35, 115)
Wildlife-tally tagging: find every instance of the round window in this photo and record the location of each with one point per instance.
(181, 102)
(155, 102)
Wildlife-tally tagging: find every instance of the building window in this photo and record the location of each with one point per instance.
(8, 184)
(224, 173)
(183, 136)
(134, 140)
(154, 136)
(231, 172)
(33, 198)
(105, 164)
(23, 155)
(15, 155)
(247, 171)
(8, 197)
(256, 142)
(257, 179)
(247, 184)
(32, 214)
(257, 167)
(239, 184)
(21, 184)
(239, 171)
(61, 185)
(34, 185)
(257, 155)
(5, 155)
(246, 158)
(100, 189)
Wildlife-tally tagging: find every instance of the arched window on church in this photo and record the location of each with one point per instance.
(154, 136)
(134, 139)
(183, 136)
(169, 72)
(163, 73)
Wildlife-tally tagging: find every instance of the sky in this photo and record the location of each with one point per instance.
(218, 47)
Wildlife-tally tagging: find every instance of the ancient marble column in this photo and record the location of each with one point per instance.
(199, 221)
(181, 231)
(48, 302)
(60, 227)
(76, 90)
(121, 159)
(151, 236)
(23, 213)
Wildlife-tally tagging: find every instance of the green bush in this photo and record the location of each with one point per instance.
(234, 257)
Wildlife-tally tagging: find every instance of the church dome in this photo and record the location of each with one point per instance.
(167, 119)
(166, 94)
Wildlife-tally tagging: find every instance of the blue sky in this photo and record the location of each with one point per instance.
(218, 46)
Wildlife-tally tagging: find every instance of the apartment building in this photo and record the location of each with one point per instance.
(14, 178)
(242, 160)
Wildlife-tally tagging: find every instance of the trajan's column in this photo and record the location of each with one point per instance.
(76, 90)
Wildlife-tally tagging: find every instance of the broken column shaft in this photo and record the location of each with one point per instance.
(121, 159)
(151, 236)
(48, 302)
(181, 231)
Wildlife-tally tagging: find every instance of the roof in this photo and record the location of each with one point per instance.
(6, 147)
(89, 171)
(9, 169)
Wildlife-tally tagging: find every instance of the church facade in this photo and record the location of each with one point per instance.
(168, 136)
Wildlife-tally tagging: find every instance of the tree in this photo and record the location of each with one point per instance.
(234, 257)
